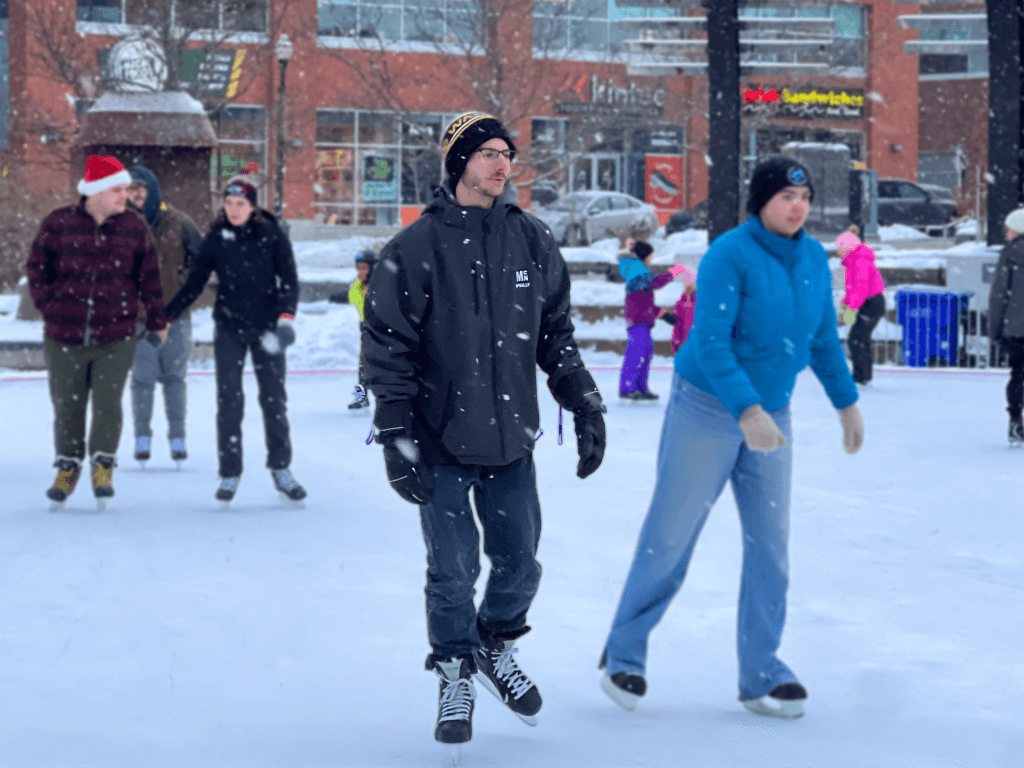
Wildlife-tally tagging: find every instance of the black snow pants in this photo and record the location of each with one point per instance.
(859, 340)
(229, 354)
(1015, 388)
(509, 513)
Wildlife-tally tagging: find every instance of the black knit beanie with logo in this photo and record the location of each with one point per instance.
(463, 136)
(772, 174)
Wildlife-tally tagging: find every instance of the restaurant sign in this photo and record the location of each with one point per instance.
(807, 103)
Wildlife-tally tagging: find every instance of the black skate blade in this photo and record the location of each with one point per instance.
(481, 678)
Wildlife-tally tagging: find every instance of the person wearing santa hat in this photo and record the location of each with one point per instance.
(89, 266)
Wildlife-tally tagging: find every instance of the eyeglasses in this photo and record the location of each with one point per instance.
(490, 155)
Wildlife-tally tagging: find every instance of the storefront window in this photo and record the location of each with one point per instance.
(430, 21)
(5, 87)
(242, 147)
(229, 15)
(370, 164)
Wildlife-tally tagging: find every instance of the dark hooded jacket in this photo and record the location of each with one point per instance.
(176, 235)
(463, 306)
(256, 276)
(1006, 297)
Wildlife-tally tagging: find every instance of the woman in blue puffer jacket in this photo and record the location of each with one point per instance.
(766, 313)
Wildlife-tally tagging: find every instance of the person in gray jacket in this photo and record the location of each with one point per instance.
(1006, 317)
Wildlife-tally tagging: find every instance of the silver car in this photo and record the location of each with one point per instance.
(585, 217)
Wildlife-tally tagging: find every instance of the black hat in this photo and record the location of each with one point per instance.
(463, 136)
(367, 256)
(642, 249)
(772, 174)
(241, 186)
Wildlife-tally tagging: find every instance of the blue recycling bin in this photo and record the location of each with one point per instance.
(930, 321)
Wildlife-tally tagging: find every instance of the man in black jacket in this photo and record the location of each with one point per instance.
(1006, 317)
(466, 302)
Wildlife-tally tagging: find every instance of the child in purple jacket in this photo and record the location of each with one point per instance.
(640, 317)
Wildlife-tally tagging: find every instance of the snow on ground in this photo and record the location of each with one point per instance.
(900, 232)
(321, 254)
(167, 633)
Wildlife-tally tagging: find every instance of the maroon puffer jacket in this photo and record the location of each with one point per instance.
(86, 276)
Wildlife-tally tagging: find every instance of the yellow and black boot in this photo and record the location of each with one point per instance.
(68, 472)
(103, 478)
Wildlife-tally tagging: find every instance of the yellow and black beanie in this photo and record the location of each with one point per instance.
(463, 136)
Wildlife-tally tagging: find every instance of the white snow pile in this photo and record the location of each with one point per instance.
(900, 232)
(333, 254)
(685, 247)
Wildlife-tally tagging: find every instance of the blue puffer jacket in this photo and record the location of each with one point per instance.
(765, 313)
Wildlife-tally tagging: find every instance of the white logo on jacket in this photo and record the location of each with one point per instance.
(227, 234)
(522, 278)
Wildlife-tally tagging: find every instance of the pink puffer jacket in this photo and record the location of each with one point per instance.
(863, 279)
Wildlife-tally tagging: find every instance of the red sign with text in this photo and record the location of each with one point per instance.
(664, 182)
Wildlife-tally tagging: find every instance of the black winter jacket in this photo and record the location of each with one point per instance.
(463, 306)
(1006, 296)
(256, 276)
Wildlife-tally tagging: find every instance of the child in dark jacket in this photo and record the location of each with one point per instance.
(640, 317)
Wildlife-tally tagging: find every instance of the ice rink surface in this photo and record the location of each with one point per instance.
(166, 632)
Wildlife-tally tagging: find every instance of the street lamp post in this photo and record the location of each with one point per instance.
(283, 49)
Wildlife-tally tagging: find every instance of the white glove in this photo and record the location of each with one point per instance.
(853, 428)
(759, 430)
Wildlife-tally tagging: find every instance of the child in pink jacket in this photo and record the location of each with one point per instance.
(864, 303)
(683, 309)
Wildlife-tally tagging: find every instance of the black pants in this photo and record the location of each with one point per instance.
(229, 353)
(1015, 387)
(859, 340)
(509, 513)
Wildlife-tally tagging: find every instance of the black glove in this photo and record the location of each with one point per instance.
(411, 478)
(668, 317)
(153, 339)
(578, 393)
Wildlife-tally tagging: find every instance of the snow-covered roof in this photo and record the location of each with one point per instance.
(163, 101)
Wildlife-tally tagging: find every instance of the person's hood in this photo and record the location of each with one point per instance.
(154, 197)
(631, 267)
(861, 252)
(450, 212)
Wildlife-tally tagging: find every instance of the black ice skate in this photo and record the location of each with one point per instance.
(786, 700)
(499, 673)
(361, 400)
(647, 395)
(178, 452)
(455, 702)
(68, 472)
(226, 491)
(624, 689)
(142, 449)
(287, 486)
(1016, 433)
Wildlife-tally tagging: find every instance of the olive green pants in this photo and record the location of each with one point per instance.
(75, 371)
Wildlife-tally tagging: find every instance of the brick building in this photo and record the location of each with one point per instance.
(371, 84)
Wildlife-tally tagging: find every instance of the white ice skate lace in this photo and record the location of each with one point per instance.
(456, 700)
(506, 670)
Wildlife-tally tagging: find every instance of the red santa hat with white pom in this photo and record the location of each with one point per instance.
(102, 173)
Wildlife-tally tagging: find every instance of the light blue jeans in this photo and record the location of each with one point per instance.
(701, 448)
(166, 365)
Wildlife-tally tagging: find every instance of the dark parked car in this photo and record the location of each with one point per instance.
(917, 205)
(688, 218)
